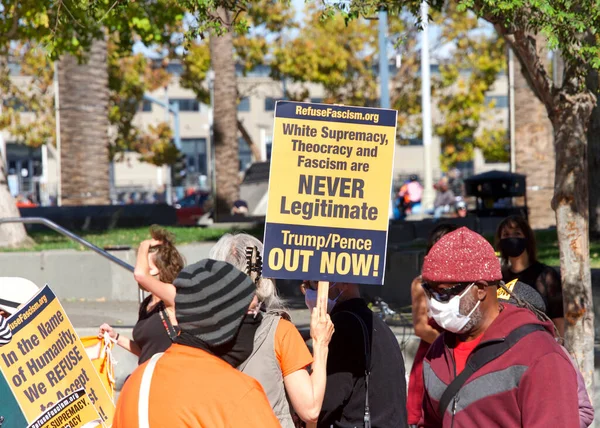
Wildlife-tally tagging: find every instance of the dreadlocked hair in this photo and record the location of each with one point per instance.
(166, 257)
(540, 315)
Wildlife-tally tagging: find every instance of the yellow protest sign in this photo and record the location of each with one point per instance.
(329, 192)
(73, 411)
(503, 294)
(46, 362)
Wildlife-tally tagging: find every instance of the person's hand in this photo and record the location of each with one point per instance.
(321, 327)
(155, 242)
(105, 328)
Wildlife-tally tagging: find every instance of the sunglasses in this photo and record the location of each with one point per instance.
(447, 293)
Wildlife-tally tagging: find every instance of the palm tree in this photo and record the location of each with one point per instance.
(534, 145)
(225, 126)
(83, 107)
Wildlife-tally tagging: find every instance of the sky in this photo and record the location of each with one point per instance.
(298, 5)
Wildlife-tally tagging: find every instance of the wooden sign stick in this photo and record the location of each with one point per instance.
(322, 297)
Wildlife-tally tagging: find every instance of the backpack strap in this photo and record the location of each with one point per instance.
(144, 399)
(482, 356)
(367, 344)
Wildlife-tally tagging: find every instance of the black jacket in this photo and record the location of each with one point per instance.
(344, 402)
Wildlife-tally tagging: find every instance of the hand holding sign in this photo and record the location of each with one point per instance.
(321, 327)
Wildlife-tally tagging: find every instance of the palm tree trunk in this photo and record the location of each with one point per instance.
(225, 127)
(83, 90)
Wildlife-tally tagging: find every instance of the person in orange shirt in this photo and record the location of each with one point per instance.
(280, 357)
(192, 384)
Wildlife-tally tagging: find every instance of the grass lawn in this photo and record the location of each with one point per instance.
(547, 244)
(50, 240)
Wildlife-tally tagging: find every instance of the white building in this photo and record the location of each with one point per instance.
(34, 171)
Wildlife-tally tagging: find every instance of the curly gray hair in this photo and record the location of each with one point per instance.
(232, 249)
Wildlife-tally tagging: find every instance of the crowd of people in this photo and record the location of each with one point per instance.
(216, 346)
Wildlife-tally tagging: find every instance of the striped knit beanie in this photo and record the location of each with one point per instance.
(212, 299)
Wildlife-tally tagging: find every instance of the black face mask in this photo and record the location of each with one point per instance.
(237, 350)
(512, 247)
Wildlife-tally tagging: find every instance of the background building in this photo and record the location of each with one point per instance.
(35, 171)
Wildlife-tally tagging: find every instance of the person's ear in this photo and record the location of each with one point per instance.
(482, 289)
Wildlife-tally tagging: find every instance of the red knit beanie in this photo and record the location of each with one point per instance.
(461, 256)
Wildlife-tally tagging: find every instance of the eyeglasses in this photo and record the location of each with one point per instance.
(447, 293)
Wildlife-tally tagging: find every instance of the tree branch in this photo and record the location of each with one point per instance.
(525, 48)
(10, 34)
(253, 147)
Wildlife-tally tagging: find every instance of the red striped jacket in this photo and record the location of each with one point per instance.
(532, 385)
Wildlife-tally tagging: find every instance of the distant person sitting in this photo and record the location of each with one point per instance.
(240, 207)
(411, 193)
(456, 183)
(444, 199)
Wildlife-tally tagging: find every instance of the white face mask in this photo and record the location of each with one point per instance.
(447, 314)
(310, 298)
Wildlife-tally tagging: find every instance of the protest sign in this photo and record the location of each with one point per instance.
(46, 362)
(329, 193)
(73, 411)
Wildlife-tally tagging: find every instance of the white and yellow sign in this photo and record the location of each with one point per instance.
(329, 192)
(46, 362)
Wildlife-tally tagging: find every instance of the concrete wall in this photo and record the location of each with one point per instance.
(83, 274)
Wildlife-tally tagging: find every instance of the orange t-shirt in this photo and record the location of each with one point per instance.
(191, 388)
(462, 350)
(290, 349)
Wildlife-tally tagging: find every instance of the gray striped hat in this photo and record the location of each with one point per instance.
(212, 299)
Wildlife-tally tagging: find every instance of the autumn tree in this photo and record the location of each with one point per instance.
(130, 76)
(337, 56)
(340, 56)
(570, 29)
(465, 79)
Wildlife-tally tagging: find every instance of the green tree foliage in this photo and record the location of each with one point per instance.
(129, 78)
(341, 54)
(465, 78)
(28, 102)
(333, 53)
(466, 75)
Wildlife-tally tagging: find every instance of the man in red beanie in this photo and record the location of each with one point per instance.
(495, 364)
